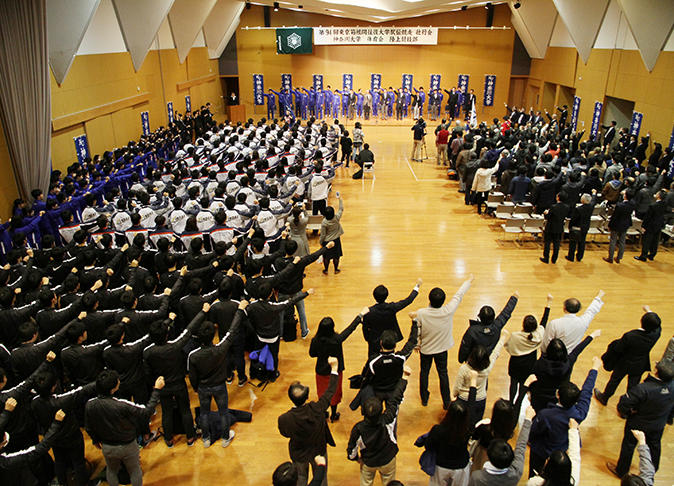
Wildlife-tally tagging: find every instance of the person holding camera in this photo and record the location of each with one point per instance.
(419, 130)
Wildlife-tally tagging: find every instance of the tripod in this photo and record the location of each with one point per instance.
(423, 152)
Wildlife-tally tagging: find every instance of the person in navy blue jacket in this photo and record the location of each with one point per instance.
(647, 407)
(549, 429)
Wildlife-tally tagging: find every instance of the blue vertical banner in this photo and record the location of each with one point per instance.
(574, 112)
(635, 125)
(489, 89)
(596, 116)
(81, 148)
(347, 81)
(287, 81)
(318, 82)
(188, 103)
(375, 81)
(145, 122)
(169, 110)
(407, 81)
(435, 82)
(258, 89)
(463, 88)
(671, 140)
(463, 83)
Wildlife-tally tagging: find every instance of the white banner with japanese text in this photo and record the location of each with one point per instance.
(327, 36)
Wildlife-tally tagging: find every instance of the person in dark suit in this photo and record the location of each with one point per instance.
(609, 134)
(382, 317)
(579, 225)
(554, 228)
(306, 427)
(653, 223)
(563, 115)
(232, 99)
(647, 407)
(630, 355)
(620, 222)
(468, 103)
(452, 101)
(544, 192)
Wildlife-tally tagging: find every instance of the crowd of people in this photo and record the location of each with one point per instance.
(118, 280)
(543, 161)
(376, 103)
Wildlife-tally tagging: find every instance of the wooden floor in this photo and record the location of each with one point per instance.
(406, 223)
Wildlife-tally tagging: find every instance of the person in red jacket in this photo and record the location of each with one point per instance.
(441, 144)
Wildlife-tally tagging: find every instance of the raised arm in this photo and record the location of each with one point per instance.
(343, 336)
(401, 304)
(411, 340)
(546, 311)
(502, 319)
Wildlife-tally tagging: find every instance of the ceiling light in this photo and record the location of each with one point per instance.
(275, 6)
(333, 10)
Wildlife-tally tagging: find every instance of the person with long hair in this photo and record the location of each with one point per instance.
(482, 361)
(562, 468)
(553, 369)
(523, 346)
(449, 440)
(501, 426)
(327, 343)
(298, 229)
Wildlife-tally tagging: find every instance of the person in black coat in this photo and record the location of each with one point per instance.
(630, 355)
(382, 317)
(554, 228)
(305, 424)
(544, 192)
(552, 369)
(579, 226)
(653, 223)
(647, 407)
(620, 222)
(486, 329)
(609, 134)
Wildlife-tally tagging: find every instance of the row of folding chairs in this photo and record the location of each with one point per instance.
(535, 225)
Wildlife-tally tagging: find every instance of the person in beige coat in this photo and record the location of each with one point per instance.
(482, 184)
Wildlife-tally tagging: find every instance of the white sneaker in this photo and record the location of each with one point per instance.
(226, 442)
(207, 443)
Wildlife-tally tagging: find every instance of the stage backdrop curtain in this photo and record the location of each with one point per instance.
(25, 96)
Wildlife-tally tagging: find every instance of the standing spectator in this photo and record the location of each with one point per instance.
(504, 467)
(441, 139)
(653, 223)
(630, 355)
(449, 441)
(373, 441)
(358, 138)
(436, 338)
(549, 429)
(331, 231)
(562, 468)
(328, 343)
(113, 425)
(555, 217)
(579, 225)
(620, 222)
(486, 329)
(482, 184)
(482, 361)
(523, 346)
(647, 407)
(570, 328)
(382, 316)
(207, 368)
(305, 425)
(347, 146)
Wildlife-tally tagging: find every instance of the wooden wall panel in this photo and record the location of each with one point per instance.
(8, 188)
(617, 73)
(458, 52)
(100, 134)
(104, 78)
(559, 66)
(63, 147)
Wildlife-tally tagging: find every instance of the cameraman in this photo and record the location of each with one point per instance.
(419, 130)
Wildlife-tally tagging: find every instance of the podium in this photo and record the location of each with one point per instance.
(236, 113)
